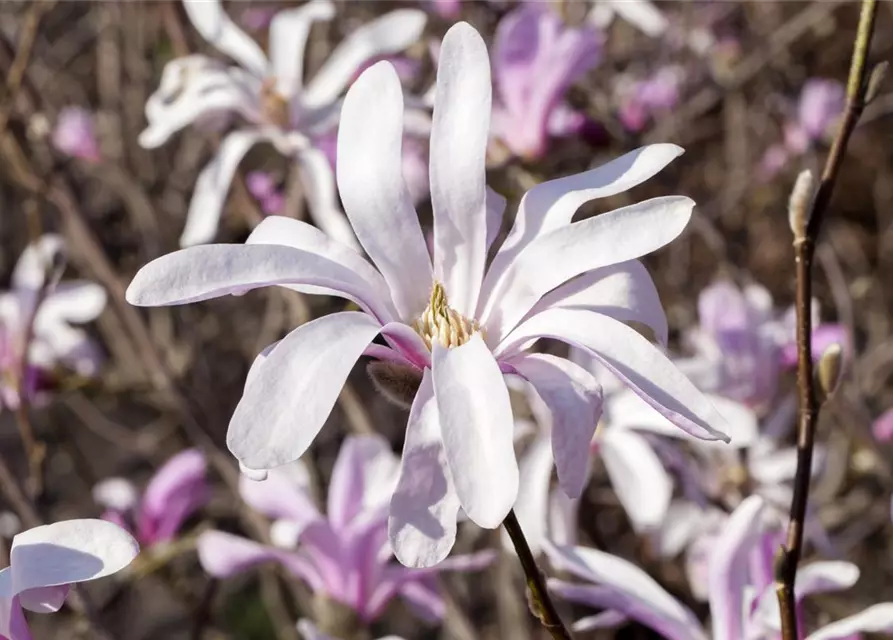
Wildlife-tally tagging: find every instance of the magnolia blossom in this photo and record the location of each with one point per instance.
(40, 310)
(641, 100)
(344, 554)
(450, 325)
(174, 493)
(743, 602)
(536, 58)
(270, 97)
(75, 134)
(45, 561)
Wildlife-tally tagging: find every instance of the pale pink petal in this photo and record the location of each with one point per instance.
(44, 599)
(318, 179)
(876, 619)
(75, 135)
(495, 211)
(284, 494)
(459, 138)
(175, 492)
(362, 480)
(532, 506)
(477, 427)
(211, 21)
(605, 620)
(882, 428)
(422, 523)
(293, 392)
(370, 139)
(288, 38)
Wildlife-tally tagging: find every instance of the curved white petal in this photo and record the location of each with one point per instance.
(71, 301)
(876, 619)
(318, 179)
(459, 138)
(477, 426)
(284, 494)
(370, 180)
(532, 506)
(211, 21)
(291, 395)
(36, 261)
(601, 241)
(391, 33)
(288, 38)
(424, 507)
(363, 479)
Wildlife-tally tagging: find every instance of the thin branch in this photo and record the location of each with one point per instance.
(540, 602)
(805, 237)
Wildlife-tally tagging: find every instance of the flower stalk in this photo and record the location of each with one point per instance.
(804, 249)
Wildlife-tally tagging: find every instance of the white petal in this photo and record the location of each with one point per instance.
(288, 38)
(370, 180)
(459, 138)
(552, 204)
(574, 399)
(391, 33)
(211, 21)
(424, 507)
(119, 494)
(495, 211)
(643, 14)
(644, 368)
(604, 240)
(72, 301)
(876, 619)
(476, 421)
(637, 474)
(319, 182)
(67, 552)
(36, 261)
(291, 395)
(532, 505)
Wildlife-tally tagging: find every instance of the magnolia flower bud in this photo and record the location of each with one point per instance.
(828, 372)
(397, 382)
(800, 204)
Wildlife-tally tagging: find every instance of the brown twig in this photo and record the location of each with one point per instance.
(806, 225)
(540, 601)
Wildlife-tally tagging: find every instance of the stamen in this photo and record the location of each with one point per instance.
(442, 324)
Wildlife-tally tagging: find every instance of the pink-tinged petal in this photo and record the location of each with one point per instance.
(284, 494)
(882, 428)
(727, 572)
(495, 211)
(212, 185)
(318, 179)
(459, 138)
(477, 428)
(551, 205)
(75, 135)
(424, 506)
(823, 337)
(175, 492)
(118, 494)
(362, 480)
(604, 240)
(821, 104)
(623, 587)
(288, 38)
(210, 271)
(574, 398)
(389, 34)
(876, 619)
(224, 555)
(370, 139)
(447, 8)
(532, 506)
(605, 620)
(211, 21)
(293, 392)
(423, 598)
(623, 291)
(13, 625)
(629, 356)
(638, 477)
(67, 552)
(44, 599)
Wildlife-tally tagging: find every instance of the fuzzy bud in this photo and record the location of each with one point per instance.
(828, 371)
(800, 204)
(397, 382)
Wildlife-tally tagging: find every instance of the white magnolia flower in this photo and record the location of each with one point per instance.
(450, 324)
(271, 98)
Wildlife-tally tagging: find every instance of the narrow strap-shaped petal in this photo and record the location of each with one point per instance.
(459, 138)
(532, 506)
(638, 363)
(318, 179)
(211, 21)
(370, 180)
(876, 619)
(422, 522)
(284, 495)
(71, 301)
(477, 426)
(391, 33)
(177, 489)
(605, 620)
(362, 480)
(291, 395)
(37, 261)
(601, 241)
(574, 398)
(289, 30)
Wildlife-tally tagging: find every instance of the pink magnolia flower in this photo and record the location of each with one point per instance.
(743, 603)
(176, 491)
(271, 97)
(536, 58)
(264, 189)
(450, 326)
(643, 100)
(75, 135)
(345, 554)
(54, 341)
(45, 561)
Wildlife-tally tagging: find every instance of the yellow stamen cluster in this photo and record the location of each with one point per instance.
(442, 324)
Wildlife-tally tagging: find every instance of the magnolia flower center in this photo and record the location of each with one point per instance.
(440, 323)
(273, 105)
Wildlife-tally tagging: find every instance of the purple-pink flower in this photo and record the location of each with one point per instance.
(176, 491)
(263, 187)
(640, 101)
(343, 554)
(75, 134)
(882, 428)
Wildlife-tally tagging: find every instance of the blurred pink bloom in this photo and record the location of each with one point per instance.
(536, 58)
(257, 18)
(55, 342)
(447, 8)
(740, 586)
(451, 326)
(882, 428)
(45, 561)
(642, 100)
(75, 135)
(265, 190)
(345, 554)
(176, 491)
(270, 95)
